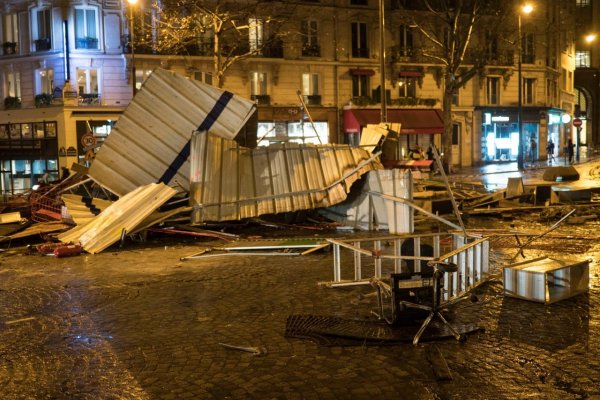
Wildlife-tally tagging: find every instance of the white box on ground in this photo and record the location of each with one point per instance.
(546, 280)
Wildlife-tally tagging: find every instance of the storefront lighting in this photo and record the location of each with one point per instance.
(500, 118)
(488, 118)
(566, 118)
(553, 119)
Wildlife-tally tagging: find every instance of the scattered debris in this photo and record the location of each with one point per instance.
(257, 351)
(8, 218)
(441, 371)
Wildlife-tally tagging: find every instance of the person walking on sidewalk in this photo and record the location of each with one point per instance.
(570, 150)
(550, 150)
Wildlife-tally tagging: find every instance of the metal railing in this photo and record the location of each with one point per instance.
(471, 255)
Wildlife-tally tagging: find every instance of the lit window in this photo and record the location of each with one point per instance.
(10, 28)
(86, 28)
(582, 59)
(310, 84)
(44, 80)
(407, 87)
(13, 84)
(255, 32)
(582, 3)
(258, 83)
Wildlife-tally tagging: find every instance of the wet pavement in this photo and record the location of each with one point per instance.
(138, 323)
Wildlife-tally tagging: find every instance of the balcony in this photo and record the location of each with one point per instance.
(311, 50)
(43, 44)
(360, 52)
(261, 99)
(88, 43)
(402, 53)
(9, 48)
(312, 99)
(89, 99)
(11, 103)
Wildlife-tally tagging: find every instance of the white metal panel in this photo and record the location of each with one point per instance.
(156, 128)
(125, 214)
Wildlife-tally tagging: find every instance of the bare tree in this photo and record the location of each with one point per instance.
(449, 28)
(226, 30)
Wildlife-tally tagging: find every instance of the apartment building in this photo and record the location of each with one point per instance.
(587, 73)
(319, 82)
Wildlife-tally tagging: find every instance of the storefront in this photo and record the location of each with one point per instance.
(293, 124)
(500, 133)
(417, 126)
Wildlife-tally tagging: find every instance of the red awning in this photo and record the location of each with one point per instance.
(415, 74)
(361, 71)
(413, 121)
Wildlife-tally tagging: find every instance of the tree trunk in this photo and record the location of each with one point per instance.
(447, 136)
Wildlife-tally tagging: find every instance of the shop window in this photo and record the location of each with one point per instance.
(41, 29)
(44, 81)
(407, 87)
(360, 47)
(310, 35)
(255, 34)
(204, 77)
(360, 85)
(493, 90)
(86, 28)
(528, 91)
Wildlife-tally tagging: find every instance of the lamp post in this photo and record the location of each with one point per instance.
(525, 9)
(131, 43)
(382, 60)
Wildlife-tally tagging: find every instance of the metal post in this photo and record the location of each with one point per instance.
(577, 144)
(382, 60)
(520, 155)
(131, 43)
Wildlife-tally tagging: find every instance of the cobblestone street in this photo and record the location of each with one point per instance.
(137, 323)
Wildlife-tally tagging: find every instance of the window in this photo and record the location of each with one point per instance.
(87, 85)
(86, 28)
(528, 49)
(360, 48)
(550, 92)
(456, 97)
(491, 44)
(44, 81)
(310, 44)
(205, 77)
(406, 87)
(582, 3)
(455, 134)
(310, 84)
(10, 28)
(13, 84)
(582, 59)
(528, 90)
(255, 34)
(42, 29)
(140, 77)
(493, 90)
(360, 85)
(258, 84)
(405, 45)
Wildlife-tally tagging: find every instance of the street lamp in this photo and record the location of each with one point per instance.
(132, 3)
(525, 9)
(382, 60)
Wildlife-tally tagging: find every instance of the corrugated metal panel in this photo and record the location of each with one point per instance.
(83, 209)
(149, 142)
(126, 213)
(231, 182)
(371, 135)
